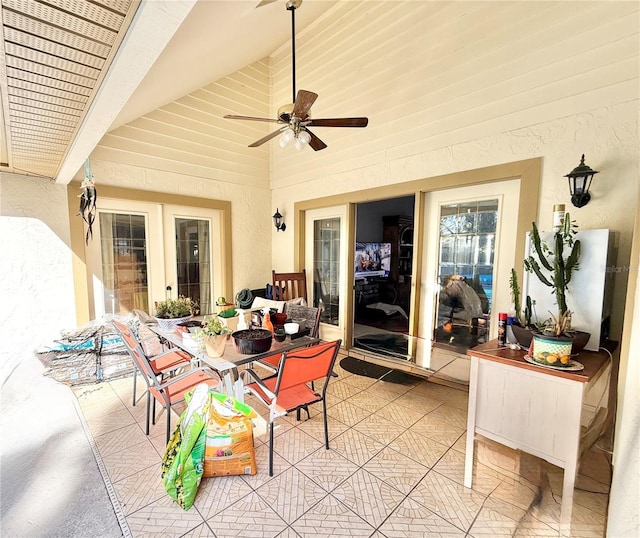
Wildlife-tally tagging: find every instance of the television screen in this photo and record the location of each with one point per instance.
(372, 260)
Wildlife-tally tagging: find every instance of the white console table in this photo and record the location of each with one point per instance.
(530, 408)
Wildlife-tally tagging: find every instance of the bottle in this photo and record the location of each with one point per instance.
(558, 217)
(502, 328)
(266, 320)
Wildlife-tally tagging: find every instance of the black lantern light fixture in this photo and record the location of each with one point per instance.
(579, 182)
(277, 221)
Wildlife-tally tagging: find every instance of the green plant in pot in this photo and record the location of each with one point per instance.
(214, 336)
(229, 317)
(170, 312)
(524, 328)
(552, 345)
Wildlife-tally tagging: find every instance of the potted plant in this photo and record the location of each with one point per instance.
(229, 317)
(524, 328)
(554, 268)
(170, 312)
(214, 336)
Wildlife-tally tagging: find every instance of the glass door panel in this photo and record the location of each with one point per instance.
(124, 262)
(194, 254)
(325, 259)
(193, 261)
(466, 264)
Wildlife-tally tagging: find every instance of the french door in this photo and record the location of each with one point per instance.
(143, 252)
(468, 254)
(325, 261)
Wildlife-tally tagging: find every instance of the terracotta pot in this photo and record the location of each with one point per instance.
(232, 323)
(215, 345)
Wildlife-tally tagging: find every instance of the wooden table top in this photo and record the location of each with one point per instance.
(593, 361)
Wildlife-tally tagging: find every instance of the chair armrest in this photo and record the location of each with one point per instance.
(172, 380)
(257, 380)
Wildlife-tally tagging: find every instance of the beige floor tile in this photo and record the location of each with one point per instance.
(131, 461)
(140, 489)
(368, 496)
(288, 533)
(315, 427)
(348, 413)
(368, 401)
(163, 517)
(108, 420)
(461, 444)
(418, 401)
(448, 499)
(330, 518)
(262, 462)
(392, 389)
(380, 429)
(419, 448)
(400, 414)
(201, 531)
(395, 469)
(295, 445)
(119, 440)
(518, 492)
(250, 517)
(291, 494)
(327, 468)
(485, 479)
(438, 429)
(412, 520)
(498, 519)
(217, 493)
(454, 416)
(360, 381)
(340, 390)
(356, 447)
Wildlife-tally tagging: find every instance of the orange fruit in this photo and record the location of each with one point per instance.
(552, 358)
(565, 359)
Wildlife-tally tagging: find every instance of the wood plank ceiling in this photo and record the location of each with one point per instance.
(53, 57)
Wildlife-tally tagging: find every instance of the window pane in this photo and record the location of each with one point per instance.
(193, 261)
(326, 268)
(124, 269)
(467, 243)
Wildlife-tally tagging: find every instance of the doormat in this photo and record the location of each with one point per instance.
(392, 345)
(375, 371)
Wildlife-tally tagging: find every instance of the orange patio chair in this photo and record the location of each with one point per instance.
(170, 391)
(162, 364)
(288, 390)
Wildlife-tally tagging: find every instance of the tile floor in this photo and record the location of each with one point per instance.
(394, 469)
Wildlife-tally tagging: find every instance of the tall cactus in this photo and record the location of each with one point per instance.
(560, 268)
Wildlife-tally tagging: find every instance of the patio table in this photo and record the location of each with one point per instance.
(227, 365)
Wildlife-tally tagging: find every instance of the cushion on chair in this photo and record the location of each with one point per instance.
(259, 302)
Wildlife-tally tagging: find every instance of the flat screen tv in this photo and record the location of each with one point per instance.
(372, 260)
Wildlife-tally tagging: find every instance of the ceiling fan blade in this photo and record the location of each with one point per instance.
(315, 143)
(268, 137)
(250, 118)
(339, 122)
(303, 103)
(265, 2)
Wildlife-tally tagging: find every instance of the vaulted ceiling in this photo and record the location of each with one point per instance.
(71, 70)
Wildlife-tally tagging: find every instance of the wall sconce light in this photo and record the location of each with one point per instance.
(277, 221)
(579, 182)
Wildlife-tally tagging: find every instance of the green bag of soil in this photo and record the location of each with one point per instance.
(183, 460)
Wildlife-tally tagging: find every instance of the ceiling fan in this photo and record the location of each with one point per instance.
(296, 118)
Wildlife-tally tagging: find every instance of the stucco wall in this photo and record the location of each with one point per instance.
(35, 264)
(450, 87)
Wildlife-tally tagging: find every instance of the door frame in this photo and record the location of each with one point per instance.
(77, 235)
(528, 171)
